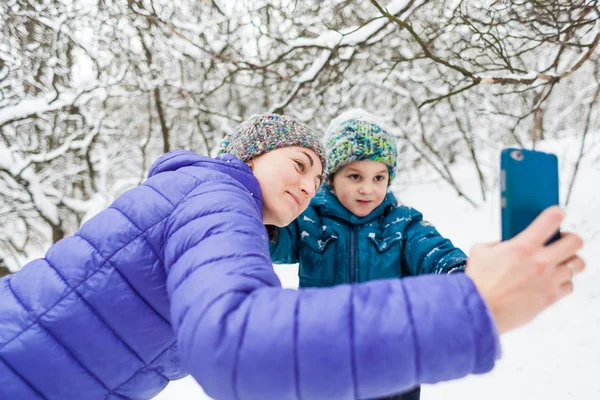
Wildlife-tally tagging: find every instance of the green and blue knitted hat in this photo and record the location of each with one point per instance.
(357, 135)
(260, 134)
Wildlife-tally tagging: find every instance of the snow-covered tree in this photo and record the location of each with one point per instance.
(91, 92)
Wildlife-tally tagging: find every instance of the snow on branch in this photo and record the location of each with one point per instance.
(532, 78)
(508, 78)
(31, 107)
(35, 106)
(357, 34)
(31, 183)
(308, 76)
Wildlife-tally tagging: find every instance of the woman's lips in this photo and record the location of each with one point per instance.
(296, 199)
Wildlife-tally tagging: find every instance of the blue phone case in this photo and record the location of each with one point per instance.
(529, 185)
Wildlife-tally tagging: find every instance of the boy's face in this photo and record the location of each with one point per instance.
(361, 186)
(289, 178)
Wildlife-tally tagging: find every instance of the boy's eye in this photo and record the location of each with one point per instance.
(379, 178)
(354, 177)
(300, 165)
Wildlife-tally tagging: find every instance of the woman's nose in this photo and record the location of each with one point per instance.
(308, 188)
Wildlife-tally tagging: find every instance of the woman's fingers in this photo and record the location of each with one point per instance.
(562, 249)
(567, 270)
(542, 228)
(565, 289)
(576, 264)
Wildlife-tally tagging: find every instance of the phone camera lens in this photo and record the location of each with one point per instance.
(517, 155)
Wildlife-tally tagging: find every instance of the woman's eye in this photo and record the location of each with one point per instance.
(300, 165)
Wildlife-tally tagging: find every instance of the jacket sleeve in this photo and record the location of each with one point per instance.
(242, 336)
(284, 247)
(428, 252)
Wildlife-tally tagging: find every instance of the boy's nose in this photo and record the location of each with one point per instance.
(365, 188)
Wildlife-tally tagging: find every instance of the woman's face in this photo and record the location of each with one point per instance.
(289, 178)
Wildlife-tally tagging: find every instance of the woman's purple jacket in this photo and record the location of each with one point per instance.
(175, 278)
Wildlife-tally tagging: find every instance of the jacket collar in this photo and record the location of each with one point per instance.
(225, 163)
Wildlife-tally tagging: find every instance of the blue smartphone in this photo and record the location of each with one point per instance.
(528, 185)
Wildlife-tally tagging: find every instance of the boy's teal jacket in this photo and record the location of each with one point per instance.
(334, 246)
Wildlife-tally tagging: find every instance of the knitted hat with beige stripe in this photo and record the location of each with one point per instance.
(262, 133)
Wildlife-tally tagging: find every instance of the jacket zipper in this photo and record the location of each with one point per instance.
(352, 256)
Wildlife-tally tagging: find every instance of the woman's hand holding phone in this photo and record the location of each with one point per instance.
(521, 277)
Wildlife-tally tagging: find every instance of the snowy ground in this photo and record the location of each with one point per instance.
(555, 357)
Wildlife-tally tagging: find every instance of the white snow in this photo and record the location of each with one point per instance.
(555, 357)
(354, 35)
(37, 105)
(315, 68)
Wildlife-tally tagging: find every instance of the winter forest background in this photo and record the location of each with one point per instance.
(92, 91)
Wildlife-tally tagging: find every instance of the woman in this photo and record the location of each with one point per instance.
(175, 278)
